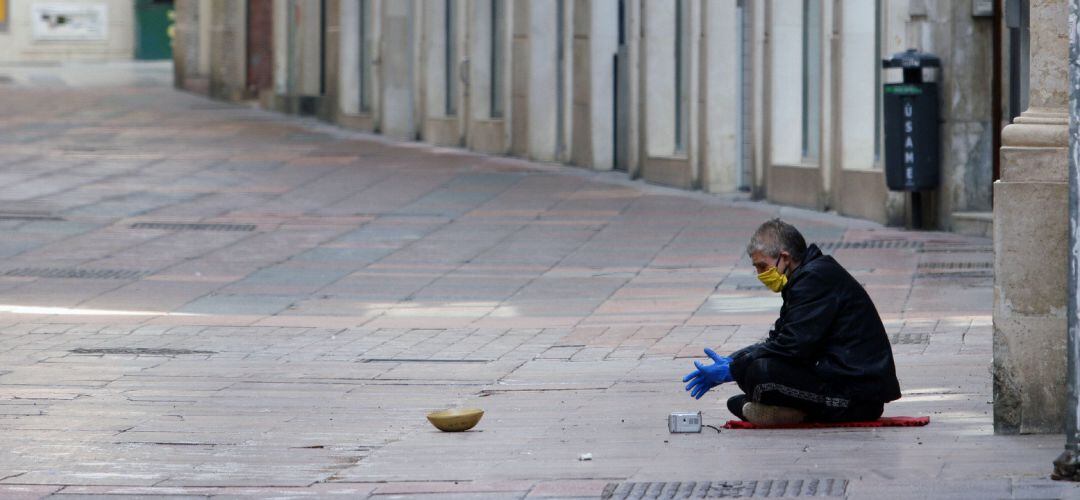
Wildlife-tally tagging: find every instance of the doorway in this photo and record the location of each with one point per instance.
(621, 94)
(560, 79)
(260, 46)
(153, 39)
(306, 41)
(745, 91)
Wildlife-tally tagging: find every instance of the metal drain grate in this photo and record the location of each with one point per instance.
(771, 488)
(28, 217)
(73, 273)
(170, 226)
(955, 266)
(910, 338)
(955, 270)
(421, 360)
(305, 137)
(214, 107)
(870, 244)
(141, 351)
(937, 248)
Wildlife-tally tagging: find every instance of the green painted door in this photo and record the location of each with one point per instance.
(153, 33)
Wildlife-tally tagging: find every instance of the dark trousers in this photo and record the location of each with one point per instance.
(780, 382)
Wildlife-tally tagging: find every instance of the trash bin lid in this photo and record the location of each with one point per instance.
(912, 58)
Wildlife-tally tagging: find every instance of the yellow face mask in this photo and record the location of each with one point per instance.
(773, 279)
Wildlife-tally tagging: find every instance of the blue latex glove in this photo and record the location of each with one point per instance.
(706, 377)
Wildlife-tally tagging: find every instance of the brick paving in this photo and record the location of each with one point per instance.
(199, 299)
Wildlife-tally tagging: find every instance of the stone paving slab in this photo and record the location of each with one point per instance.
(374, 281)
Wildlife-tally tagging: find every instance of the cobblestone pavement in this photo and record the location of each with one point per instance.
(200, 299)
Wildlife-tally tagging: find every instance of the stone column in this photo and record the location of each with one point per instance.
(1030, 240)
(581, 144)
(520, 73)
(182, 45)
(186, 43)
(228, 50)
(331, 59)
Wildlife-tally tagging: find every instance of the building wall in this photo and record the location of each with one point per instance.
(298, 37)
(442, 78)
(204, 18)
(210, 48)
(17, 42)
(488, 127)
(603, 45)
(791, 177)
(659, 68)
(546, 94)
(670, 71)
(947, 29)
(860, 133)
(717, 100)
(227, 50)
(186, 44)
(786, 96)
(351, 59)
(520, 76)
(809, 135)
(858, 168)
(398, 103)
(846, 169)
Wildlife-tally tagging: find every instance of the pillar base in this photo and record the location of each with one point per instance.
(1030, 238)
(1067, 466)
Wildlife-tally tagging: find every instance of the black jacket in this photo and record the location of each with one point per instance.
(829, 323)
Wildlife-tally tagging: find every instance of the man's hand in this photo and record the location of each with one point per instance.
(706, 377)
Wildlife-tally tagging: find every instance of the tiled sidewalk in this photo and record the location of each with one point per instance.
(200, 299)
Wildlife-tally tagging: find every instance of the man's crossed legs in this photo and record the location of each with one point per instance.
(774, 387)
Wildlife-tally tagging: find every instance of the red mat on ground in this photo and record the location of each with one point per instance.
(881, 422)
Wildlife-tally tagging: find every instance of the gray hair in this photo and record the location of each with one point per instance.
(775, 236)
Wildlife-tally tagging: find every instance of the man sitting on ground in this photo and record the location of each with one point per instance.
(827, 358)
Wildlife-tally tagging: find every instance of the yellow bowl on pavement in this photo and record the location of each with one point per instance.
(456, 420)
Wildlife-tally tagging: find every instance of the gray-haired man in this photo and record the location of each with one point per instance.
(827, 358)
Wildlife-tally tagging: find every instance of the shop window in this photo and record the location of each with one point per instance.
(366, 46)
(860, 81)
(498, 57)
(682, 73)
(3, 16)
(811, 79)
(450, 33)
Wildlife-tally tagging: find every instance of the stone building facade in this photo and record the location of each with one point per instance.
(29, 34)
(779, 98)
(44, 32)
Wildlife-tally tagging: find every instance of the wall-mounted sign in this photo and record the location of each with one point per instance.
(912, 136)
(982, 8)
(3, 15)
(69, 21)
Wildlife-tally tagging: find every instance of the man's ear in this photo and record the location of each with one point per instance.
(786, 255)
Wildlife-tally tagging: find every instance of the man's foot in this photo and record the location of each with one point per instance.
(760, 414)
(735, 405)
